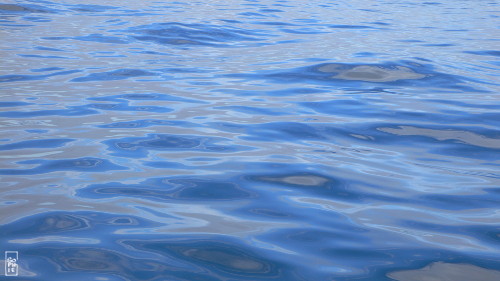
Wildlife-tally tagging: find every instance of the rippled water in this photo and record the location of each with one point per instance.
(250, 140)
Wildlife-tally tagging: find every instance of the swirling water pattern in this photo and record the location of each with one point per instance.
(250, 140)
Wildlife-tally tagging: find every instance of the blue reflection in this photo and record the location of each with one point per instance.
(138, 147)
(88, 164)
(45, 143)
(161, 189)
(192, 35)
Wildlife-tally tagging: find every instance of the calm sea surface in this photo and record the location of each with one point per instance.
(250, 140)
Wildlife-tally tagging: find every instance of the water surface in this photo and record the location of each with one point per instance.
(250, 140)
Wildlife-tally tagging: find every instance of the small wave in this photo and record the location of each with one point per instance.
(119, 74)
(178, 34)
(26, 8)
(87, 164)
(45, 143)
(138, 147)
(446, 271)
(170, 189)
(350, 75)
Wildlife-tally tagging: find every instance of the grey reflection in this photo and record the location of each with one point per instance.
(300, 180)
(60, 223)
(17, 8)
(463, 136)
(227, 259)
(307, 180)
(91, 259)
(371, 73)
(57, 239)
(447, 272)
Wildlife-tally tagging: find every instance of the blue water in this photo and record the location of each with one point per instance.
(250, 140)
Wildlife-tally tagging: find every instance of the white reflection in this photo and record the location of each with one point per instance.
(56, 239)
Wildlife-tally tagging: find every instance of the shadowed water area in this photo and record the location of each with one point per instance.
(250, 140)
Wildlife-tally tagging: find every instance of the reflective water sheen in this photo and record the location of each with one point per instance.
(250, 140)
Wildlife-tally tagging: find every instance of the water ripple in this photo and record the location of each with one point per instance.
(140, 147)
(79, 165)
(179, 34)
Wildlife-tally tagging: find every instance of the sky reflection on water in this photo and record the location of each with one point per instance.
(250, 140)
